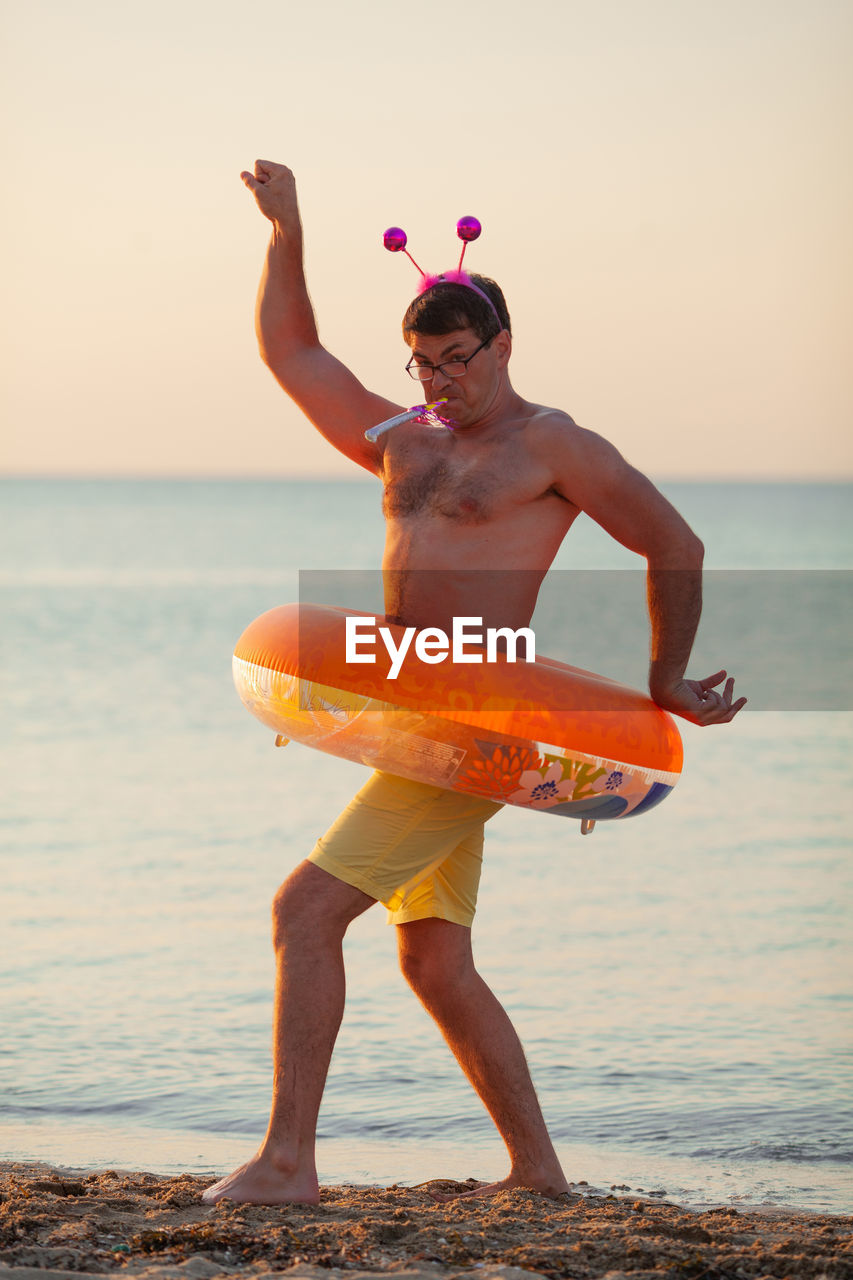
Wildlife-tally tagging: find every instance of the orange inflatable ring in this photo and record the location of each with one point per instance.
(541, 735)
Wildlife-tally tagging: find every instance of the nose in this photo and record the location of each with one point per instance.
(440, 380)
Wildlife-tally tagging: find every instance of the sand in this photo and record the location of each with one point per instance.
(139, 1224)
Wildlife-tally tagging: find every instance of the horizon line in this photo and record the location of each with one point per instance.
(340, 477)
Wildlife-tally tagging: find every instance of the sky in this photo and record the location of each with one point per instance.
(664, 187)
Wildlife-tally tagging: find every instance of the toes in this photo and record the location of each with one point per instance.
(217, 1192)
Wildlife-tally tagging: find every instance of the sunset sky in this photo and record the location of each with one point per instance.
(665, 189)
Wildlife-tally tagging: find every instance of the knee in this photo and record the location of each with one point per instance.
(311, 908)
(434, 975)
(285, 913)
(294, 913)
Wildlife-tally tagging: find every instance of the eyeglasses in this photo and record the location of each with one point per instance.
(450, 368)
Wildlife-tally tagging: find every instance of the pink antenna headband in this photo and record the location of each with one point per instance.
(467, 229)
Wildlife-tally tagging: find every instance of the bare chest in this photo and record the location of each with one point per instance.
(446, 482)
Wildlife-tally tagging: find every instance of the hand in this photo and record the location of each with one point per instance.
(274, 188)
(700, 701)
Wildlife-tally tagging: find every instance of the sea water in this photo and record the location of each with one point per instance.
(681, 981)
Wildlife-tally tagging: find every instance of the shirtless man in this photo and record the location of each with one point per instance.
(498, 492)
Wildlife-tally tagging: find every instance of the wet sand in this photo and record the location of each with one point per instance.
(139, 1224)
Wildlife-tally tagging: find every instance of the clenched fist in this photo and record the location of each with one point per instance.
(274, 188)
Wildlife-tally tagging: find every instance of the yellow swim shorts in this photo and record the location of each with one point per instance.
(415, 848)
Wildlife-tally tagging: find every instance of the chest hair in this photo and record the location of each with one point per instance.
(468, 495)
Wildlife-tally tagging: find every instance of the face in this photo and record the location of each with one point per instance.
(470, 395)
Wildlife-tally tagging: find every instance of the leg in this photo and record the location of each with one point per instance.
(436, 959)
(311, 913)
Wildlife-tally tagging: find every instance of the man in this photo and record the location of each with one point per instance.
(498, 492)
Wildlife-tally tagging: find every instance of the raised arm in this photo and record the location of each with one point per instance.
(595, 476)
(325, 390)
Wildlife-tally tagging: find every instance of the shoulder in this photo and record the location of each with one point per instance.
(553, 433)
(584, 466)
(555, 427)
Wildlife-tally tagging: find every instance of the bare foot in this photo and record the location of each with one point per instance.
(261, 1181)
(554, 1188)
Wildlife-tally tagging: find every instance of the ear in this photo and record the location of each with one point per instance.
(502, 345)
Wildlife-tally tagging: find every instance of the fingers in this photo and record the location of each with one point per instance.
(710, 695)
(718, 708)
(699, 701)
(267, 169)
(724, 715)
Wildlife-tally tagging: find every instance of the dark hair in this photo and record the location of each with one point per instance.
(447, 306)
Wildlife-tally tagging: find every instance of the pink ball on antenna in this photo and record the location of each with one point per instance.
(468, 229)
(396, 239)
